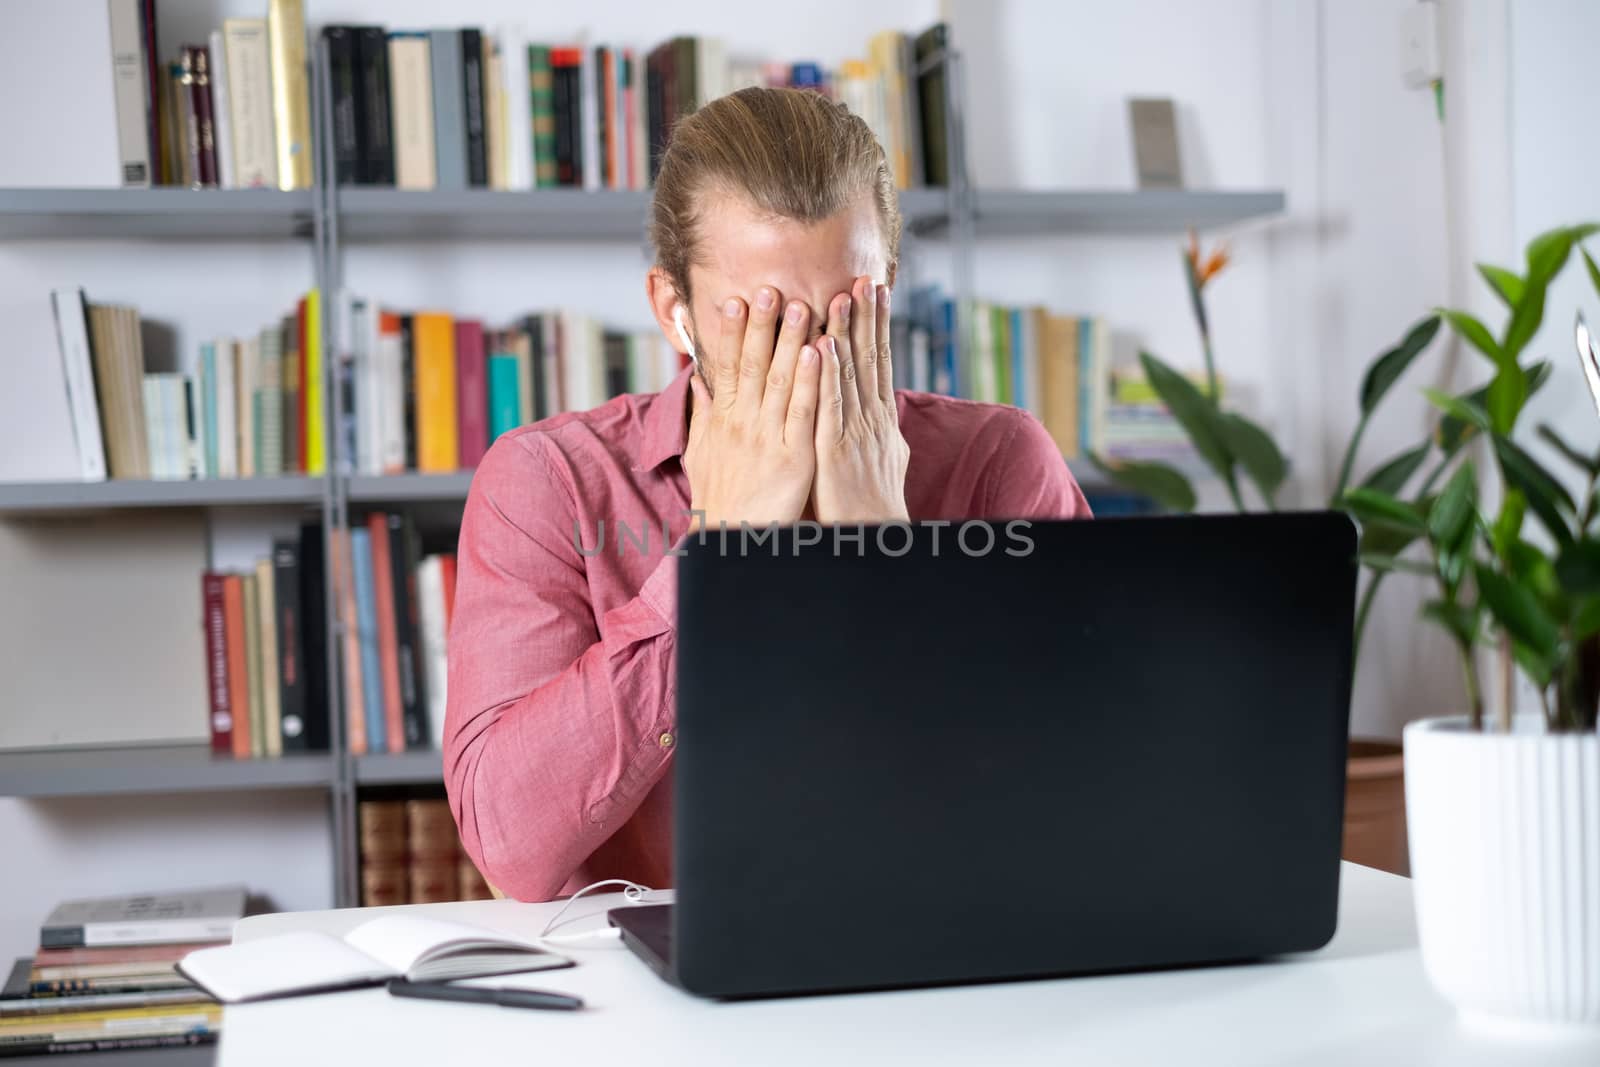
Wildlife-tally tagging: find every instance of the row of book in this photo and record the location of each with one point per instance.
(230, 111)
(411, 853)
(460, 108)
(266, 659)
(425, 391)
(396, 604)
(1060, 367)
(104, 976)
(243, 407)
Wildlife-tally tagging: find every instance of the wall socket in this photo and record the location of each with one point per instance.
(1419, 45)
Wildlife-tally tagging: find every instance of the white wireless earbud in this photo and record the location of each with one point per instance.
(683, 333)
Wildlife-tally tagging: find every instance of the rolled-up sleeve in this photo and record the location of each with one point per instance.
(555, 719)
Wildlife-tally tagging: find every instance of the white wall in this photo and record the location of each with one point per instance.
(1299, 94)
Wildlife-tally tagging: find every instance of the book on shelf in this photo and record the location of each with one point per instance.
(395, 624)
(410, 853)
(265, 659)
(229, 412)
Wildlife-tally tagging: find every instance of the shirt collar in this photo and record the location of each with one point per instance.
(666, 424)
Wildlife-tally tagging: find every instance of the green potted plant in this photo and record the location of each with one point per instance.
(1504, 818)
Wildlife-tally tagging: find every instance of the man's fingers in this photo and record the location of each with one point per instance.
(840, 314)
(755, 357)
(779, 386)
(830, 401)
(864, 339)
(730, 342)
(885, 363)
(800, 427)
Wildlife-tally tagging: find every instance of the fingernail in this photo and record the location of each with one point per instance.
(797, 312)
(808, 355)
(731, 309)
(765, 300)
(883, 296)
(844, 311)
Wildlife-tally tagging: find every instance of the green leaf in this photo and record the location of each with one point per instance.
(1161, 483)
(1475, 332)
(1586, 620)
(1594, 272)
(1455, 618)
(1453, 432)
(1197, 414)
(1379, 538)
(1578, 568)
(1371, 506)
(1506, 284)
(1450, 518)
(1464, 408)
(1387, 368)
(1394, 563)
(1507, 529)
(1507, 394)
(1256, 452)
(1548, 251)
(1518, 612)
(1590, 465)
(1546, 496)
(1393, 475)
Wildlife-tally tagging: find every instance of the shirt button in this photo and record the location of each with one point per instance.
(666, 740)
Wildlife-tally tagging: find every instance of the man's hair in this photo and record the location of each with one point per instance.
(791, 153)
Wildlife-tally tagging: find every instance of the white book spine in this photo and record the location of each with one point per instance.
(132, 91)
(151, 388)
(519, 108)
(189, 400)
(369, 394)
(431, 621)
(589, 108)
(173, 931)
(245, 417)
(249, 102)
(222, 120)
(391, 404)
(919, 360)
(72, 343)
(227, 410)
(1034, 389)
(494, 113)
(411, 111)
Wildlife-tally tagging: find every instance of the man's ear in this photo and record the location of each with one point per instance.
(663, 297)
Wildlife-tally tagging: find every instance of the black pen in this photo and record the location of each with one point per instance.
(506, 998)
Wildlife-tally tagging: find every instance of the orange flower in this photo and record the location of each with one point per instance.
(1205, 267)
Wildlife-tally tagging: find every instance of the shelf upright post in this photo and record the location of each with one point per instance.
(962, 209)
(325, 234)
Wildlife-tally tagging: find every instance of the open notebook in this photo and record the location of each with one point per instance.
(391, 947)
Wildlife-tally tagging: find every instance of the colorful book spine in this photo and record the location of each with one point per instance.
(367, 630)
(238, 672)
(217, 691)
(291, 110)
(355, 710)
(1018, 357)
(314, 419)
(504, 410)
(252, 663)
(384, 605)
(436, 393)
(541, 102)
(472, 394)
(269, 662)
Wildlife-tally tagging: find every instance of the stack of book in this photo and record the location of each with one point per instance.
(237, 407)
(266, 659)
(1056, 366)
(105, 975)
(428, 392)
(464, 108)
(1138, 425)
(228, 111)
(411, 854)
(395, 603)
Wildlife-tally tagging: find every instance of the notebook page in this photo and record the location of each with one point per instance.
(288, 963)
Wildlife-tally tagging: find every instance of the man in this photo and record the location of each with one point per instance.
(777, 232)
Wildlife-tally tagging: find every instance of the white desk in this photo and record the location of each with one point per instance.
(1362, 1000)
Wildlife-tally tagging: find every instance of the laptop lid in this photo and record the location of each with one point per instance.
(955, 753)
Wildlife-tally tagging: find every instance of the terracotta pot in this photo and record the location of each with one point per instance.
(1375, 806)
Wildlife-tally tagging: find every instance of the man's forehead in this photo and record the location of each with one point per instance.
(742, 250)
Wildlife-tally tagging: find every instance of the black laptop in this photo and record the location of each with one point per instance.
(951, 755)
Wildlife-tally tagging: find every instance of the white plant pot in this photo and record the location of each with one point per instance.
(1505, 862)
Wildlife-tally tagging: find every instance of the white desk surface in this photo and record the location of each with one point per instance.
(1362, 1000)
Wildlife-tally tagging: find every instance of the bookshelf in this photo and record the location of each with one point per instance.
(329, 218)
